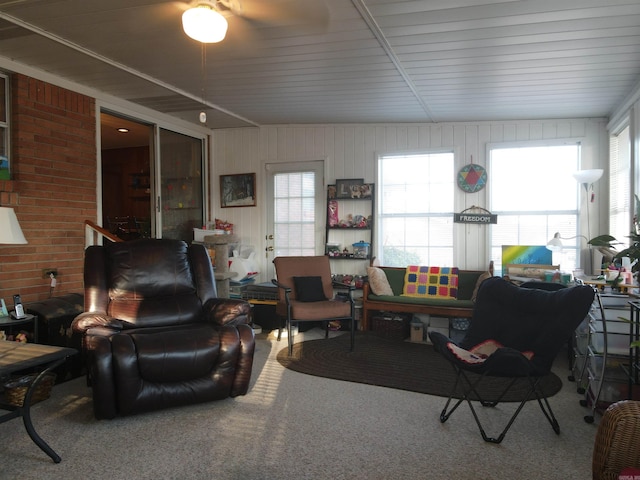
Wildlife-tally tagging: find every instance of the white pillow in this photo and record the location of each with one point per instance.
(378, 281)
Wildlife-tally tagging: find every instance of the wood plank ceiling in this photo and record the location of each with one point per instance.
(377, 61)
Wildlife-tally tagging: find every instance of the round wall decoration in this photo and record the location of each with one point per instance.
(472, 178)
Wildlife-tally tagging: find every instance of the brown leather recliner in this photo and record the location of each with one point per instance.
(155, 335)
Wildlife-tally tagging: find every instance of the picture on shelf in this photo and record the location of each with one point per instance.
(349, 188)
(238, 190)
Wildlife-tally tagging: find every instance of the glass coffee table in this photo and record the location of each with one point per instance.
(14, 357)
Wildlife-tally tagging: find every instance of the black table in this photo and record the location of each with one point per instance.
(15, 356)
(8, 321)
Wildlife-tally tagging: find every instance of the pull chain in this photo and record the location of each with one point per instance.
(203, 113)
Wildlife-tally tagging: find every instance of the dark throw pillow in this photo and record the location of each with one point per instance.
(309, 289)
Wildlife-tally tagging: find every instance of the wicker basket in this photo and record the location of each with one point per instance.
(16, 389)
(393, 327)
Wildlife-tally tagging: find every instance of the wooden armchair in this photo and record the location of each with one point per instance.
(305, 294)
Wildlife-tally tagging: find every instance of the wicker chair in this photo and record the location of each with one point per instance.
(617, 444)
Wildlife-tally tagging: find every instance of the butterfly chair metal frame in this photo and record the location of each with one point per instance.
(471, 389)
(539, 320)
(295, 275)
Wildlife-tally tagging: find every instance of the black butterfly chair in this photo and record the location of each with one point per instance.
(515, 333)
(552, 287)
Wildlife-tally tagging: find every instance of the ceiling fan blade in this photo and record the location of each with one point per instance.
(282, 12)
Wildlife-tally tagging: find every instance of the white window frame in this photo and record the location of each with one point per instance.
(5, 124)
(441, 252)
(620, 198)
(544, 225)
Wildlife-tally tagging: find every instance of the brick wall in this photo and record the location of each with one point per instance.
(53, 187)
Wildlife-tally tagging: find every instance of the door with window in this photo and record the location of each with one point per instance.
(295, 214)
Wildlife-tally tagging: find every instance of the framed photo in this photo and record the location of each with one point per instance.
(349, 187)
(238, 190)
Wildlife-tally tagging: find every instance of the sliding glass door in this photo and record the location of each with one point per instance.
(180, 203)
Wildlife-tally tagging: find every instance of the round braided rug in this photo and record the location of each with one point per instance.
(396, 364)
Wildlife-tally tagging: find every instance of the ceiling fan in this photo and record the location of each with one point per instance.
(205, 20)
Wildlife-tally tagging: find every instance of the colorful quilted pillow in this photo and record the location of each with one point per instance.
(431, 282)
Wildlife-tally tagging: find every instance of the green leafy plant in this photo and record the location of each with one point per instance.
(632, 251)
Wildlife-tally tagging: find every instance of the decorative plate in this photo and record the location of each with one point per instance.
(472, 178)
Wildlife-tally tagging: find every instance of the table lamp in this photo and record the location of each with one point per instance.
(10, 231)
(555, 244)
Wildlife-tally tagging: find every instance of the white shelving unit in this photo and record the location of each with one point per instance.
(344, 236)
(601, 353)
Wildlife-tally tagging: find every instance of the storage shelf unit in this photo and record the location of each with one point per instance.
(633, 367)
(349, 221)
(601, 353)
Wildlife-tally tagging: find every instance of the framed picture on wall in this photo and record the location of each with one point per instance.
(238, 190)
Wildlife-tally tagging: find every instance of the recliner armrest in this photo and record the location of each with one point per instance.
(227, 311)
(87, 320)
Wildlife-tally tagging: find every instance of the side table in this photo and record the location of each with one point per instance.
(16, 356)
(8, 321)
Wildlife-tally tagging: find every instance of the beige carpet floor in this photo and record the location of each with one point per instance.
(297, 426)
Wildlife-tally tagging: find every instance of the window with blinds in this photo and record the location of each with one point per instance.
(294, 213)
(619, 186)
(534, 194)
(415, 209)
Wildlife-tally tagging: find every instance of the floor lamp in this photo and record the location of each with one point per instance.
(587, 178)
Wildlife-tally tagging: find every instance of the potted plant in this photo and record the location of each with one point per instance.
(632, 251)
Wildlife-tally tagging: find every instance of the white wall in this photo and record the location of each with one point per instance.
(350, 151)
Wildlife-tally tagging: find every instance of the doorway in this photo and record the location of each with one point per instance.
(127, 176)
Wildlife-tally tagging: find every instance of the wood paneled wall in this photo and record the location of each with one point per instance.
(350, 151)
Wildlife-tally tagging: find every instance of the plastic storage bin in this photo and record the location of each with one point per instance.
(361, 249)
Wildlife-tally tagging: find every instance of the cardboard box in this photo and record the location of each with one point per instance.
(417, 332)
(439, 322)
(199, 234)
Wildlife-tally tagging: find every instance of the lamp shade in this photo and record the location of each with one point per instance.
(588, 176)
(204, 24)
(555, 244)
(10, 231)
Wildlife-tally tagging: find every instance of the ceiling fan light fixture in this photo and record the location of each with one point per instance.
(204, 24)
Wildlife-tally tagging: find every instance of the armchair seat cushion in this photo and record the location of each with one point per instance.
(320, 310)
(164, 367)
(143, 353)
